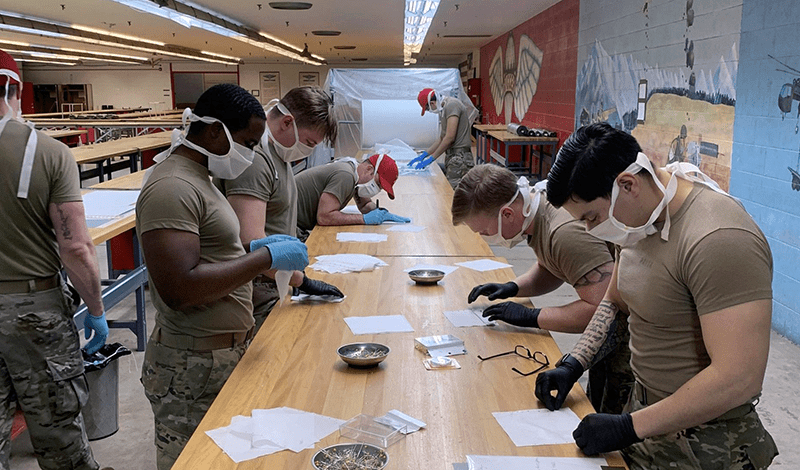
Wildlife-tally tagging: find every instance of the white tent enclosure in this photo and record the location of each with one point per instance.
(374, 106)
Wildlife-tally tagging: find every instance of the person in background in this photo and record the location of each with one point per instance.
(264, 196)
(503, 209)
(200, 274)
(694, 277)
(43, 226)
(324, 190)
(454, 136)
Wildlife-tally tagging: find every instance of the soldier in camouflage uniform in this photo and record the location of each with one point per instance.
(694, 278)
(199, 272)
(42, 225)
(454, 136)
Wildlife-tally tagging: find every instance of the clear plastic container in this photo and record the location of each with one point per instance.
(364, 428)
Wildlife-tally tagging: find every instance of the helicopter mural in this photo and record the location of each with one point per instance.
(790, 92)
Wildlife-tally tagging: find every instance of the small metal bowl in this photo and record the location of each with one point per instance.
(363, 354)
(426, 276)
(350, 457)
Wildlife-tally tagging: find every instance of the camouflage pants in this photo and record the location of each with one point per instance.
(456, 164)
(611, 379)
(265, 298)
(739, 442)
(41, 368)
(181, 385)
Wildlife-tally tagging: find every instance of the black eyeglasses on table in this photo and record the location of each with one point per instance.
(522, 351)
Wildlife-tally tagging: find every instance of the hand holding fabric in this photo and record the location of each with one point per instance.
(493, 291)
(424, 163)
(603, 432)
(418, 159)
(568, 370)
(100, 327)
(379, 216)
(315, 287)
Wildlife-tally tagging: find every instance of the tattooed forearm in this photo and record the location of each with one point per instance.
(63, 227)
(596, 275)
(596, 333)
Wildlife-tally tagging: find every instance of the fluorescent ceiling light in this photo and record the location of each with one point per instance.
(22, 48)
(40, 27)
(418, 18)
(191, 15)
(44, 61)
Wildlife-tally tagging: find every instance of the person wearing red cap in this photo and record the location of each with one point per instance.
(454, 136)
(43, 228)
(324, 190)
(264, 196)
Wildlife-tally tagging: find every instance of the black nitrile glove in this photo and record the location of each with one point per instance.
(314, 287)
(494, 291)
(603, 432)
(513, 313)
(568, 370)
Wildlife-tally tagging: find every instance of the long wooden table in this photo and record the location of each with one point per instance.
(131, 147)
(292, 361)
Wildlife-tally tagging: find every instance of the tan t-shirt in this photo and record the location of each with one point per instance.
(337, 178)
(563, 246)
(271, 180)
(178, 195)
(29, 249)
(716, 257)
(454, 107)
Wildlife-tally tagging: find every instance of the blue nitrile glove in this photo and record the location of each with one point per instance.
(262, 242)
(418, 158)
(424, 163)
(100, 327)
(602, 432)
(289, 255)
(379, 216)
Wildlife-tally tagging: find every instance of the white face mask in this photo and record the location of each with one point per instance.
(528, 211)
(370, 189)
(227, 166)
(298, 150)
(614, 231)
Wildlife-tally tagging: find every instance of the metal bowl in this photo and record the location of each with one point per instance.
(363, 354)
(426, 276)
(350, 457)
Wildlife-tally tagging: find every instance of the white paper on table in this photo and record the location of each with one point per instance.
(484, 264)
(378, 324)
(446, 269)
(236, 440)
(351, 209)
(303, 297)
(396, 419)
(405, 228)
(467, 317)
(361, 237)
(346, 263)
(539, 426)
(500, 462)
(105, 203)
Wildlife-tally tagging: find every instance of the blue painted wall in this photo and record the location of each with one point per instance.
(766, 148)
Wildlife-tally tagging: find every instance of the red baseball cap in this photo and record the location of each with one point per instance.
(387, 172)
(424, 98)
(8, 69)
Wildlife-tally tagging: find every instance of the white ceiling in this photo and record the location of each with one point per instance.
(375, 27)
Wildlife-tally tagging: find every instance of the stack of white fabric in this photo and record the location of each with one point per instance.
(346, 263)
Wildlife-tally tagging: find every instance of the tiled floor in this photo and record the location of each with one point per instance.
(132, 448)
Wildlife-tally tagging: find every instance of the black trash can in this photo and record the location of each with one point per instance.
(101, 412)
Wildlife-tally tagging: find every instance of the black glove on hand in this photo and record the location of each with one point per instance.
(494, 291)
(314, 287)
(568, 370)
(602, 432)
(513, 313)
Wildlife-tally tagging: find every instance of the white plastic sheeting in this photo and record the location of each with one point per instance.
(351, 87)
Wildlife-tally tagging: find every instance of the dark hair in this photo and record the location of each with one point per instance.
(13, 90)
(231, 104)
(312, 108)
(589, 162)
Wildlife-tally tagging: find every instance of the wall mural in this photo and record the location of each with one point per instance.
(675, 88)
(513, 82)
(789, 93)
